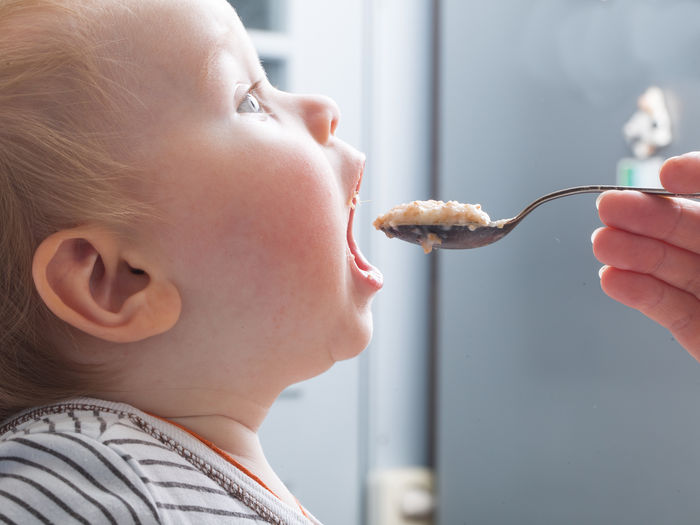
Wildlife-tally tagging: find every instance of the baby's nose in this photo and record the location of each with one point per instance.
(321, 115)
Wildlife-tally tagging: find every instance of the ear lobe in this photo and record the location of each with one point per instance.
(89, 279)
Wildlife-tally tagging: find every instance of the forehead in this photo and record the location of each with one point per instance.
(187, 45)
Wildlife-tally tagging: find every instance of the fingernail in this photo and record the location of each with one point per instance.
(602, 270)
(594, 234)
(597, 201)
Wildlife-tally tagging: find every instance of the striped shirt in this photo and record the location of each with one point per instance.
(93, 462)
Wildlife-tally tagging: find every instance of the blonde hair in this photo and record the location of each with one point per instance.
(63, 134)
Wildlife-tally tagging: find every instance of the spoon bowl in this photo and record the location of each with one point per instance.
(463, 237)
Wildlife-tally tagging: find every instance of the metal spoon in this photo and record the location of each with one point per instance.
(462, 237)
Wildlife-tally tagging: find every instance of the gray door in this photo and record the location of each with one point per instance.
(557, 405)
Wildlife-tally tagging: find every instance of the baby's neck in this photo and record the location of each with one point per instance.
(242, 444)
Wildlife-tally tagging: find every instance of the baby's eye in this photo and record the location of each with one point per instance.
(250, 104)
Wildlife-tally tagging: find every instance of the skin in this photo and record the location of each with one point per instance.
(250, 282)
(651, 251)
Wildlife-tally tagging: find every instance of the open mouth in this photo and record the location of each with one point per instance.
(369, 272)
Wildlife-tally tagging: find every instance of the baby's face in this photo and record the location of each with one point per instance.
(257, 194)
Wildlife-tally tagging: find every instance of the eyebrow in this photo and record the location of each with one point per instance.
(209, 65)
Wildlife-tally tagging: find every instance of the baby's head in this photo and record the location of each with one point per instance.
(169, 219)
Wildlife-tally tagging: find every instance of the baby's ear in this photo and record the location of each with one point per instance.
(92, 280)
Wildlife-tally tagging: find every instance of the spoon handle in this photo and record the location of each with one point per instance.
(596, 189)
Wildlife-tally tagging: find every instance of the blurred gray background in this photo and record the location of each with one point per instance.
(556, 404)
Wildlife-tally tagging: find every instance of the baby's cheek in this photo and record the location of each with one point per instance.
(306, 201)
(310, 230)
(299, 227)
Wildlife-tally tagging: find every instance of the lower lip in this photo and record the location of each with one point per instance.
(371, 275)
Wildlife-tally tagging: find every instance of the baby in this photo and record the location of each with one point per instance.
(177, 249)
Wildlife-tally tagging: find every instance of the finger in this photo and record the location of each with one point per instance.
(639, 254)
(682, 174)
(675, 221)
(674, 309)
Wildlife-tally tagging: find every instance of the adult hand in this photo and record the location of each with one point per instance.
(651, 249)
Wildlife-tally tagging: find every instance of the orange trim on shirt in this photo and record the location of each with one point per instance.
(228, 458)
(221, 453)
(301, 509)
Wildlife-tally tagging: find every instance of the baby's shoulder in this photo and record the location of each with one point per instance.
(95, 463)
(56, 467)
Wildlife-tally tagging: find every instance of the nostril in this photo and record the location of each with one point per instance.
(335, 115)
(334, 124)
(322, 116)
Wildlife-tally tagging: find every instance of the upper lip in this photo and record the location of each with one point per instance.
(356, 189)
(353, 200)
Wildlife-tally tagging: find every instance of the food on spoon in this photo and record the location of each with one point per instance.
(434, 213)
(429, 242)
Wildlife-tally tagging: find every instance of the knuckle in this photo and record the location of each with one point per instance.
(692, 286)
(674, 223)
(657, 300)
(660, 260)
(683, 322)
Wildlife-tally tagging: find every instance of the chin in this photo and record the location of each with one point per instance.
(358, 339)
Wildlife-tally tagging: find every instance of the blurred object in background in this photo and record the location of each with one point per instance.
(645, 132)
(643, 173)
(400, 497)
(650, 127)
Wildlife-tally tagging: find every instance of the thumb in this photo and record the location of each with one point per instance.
(682, 174)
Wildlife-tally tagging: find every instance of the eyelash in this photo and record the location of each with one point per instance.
(250, 98)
